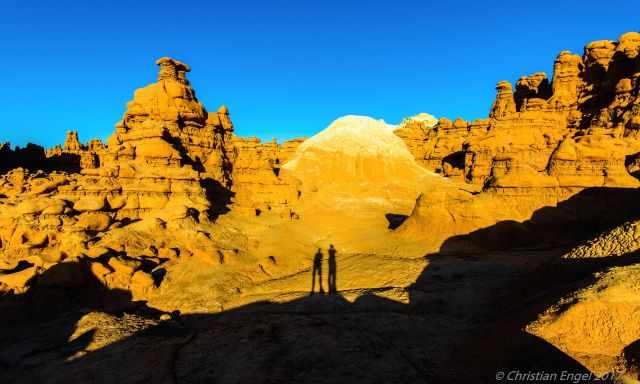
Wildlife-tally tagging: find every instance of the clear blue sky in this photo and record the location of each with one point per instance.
(284, 68)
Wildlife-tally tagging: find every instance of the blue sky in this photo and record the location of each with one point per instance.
(284, 68)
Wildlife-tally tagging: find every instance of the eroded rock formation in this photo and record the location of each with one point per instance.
(170, 165)
(169, 150)
(258, 183)
(580, 130)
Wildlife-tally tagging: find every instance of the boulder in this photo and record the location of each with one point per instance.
(43, 205)
(141, 283)
(93, 221)
(124, 266)
(99, 271)
(19, 280)
(97, 252)
(53, 255)
(90, 204)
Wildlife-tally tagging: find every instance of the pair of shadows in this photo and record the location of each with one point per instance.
(317, 271)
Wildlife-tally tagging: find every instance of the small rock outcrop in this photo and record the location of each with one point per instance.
(73, 155)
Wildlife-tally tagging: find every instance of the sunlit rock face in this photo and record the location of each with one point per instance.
(353, 148)
(542, 144)
(579, 130)
(167, 146)
(170, 165)
(358, 159)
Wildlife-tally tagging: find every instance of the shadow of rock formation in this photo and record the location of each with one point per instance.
(584, 215)
(218, 193)
(41, 326)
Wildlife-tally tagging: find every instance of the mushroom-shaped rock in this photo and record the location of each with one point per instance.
(566, 72)
(225, 120)
(600, 52)
(72, 143)
(505, 104)
(168, 69)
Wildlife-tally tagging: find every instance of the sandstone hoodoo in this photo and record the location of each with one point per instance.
(177, 251)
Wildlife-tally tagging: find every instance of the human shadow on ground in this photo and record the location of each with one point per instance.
(332, 276)
(463, 321)
(332, 271)
(316, 272)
